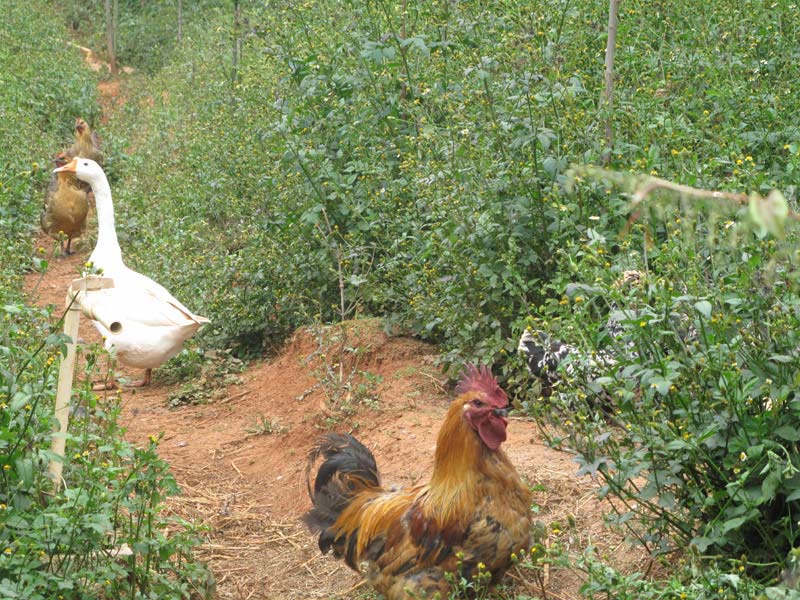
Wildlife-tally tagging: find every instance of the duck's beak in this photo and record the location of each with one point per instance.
(70, 167)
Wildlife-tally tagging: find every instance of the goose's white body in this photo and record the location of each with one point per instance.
(154, 323)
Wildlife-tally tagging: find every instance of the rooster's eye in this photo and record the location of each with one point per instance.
(477, 403)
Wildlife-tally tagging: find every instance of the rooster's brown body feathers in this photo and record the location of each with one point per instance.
(474, 511)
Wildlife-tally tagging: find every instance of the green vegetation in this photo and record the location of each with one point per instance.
(63, 546)
(42, 90)
(411, 161)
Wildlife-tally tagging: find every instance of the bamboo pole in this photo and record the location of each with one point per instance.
(67, 369)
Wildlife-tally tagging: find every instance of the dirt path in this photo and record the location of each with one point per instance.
(248, 489)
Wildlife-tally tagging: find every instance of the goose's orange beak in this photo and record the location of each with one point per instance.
(70, 167)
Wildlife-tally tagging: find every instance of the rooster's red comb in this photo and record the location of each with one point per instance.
(480, 379)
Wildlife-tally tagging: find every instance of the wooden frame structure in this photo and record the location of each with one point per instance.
(79, 300)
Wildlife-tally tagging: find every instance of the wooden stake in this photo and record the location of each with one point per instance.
(67, 369)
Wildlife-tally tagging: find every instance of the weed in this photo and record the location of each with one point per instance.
(265, 426)
(336, 366)
(211, 374)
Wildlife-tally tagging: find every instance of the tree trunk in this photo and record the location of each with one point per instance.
(180, 21)
(608, 96)
(237, 44)
(110, 35)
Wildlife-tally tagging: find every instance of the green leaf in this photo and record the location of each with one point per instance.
(788, 433)
(703, 307)
(702, 543)
(734, 523)
(781, 358)
(769, 214)
(770, 484)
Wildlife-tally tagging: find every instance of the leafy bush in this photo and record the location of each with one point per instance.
(65, 543)
(693, 422)
(419, 155)
(146, 31)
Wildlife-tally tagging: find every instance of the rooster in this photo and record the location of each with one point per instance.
(469, 518)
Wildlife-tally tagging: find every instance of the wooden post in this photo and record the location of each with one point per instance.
(67, 368)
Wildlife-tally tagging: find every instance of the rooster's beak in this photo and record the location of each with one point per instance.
(500, 412)
(70, 167)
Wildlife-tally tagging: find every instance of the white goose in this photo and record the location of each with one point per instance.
(154, 323)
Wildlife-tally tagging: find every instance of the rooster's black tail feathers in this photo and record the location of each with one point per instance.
(347, 468)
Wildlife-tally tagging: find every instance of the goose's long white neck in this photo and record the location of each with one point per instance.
(107, 253)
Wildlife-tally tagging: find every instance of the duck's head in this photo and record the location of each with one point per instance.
(85, 169)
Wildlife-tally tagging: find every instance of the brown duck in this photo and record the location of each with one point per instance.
(87, 144)
(65, 207)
